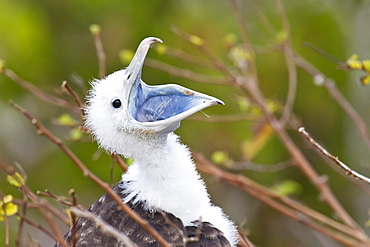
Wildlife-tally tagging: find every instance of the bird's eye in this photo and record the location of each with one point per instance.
(116, 103)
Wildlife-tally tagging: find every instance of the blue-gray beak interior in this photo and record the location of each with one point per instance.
(155, 103)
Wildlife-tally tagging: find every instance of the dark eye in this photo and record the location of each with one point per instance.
(116, 103)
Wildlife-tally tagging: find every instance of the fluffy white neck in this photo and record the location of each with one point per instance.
(164, 176)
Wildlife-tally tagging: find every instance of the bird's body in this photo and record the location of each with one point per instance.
(173, 233)
(130, 118)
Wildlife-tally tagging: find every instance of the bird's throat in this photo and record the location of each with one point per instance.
(164, 176)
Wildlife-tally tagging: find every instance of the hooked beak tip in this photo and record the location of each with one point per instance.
(217, 102)
(150, 40)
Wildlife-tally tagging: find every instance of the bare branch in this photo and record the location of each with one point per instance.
(333, 158)
(250, 70)
(56, 198)
(224, 118)
(185, 73)
(120, 162)
(36, 91)
(74, 96)
(74, 219)
(36, 225)
(219, 65)
(292, 70)
(95, 31)
(187, 57)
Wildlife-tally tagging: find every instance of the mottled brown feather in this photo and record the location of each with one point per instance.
(105, 208)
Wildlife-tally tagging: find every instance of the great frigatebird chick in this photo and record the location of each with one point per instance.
(130, 118)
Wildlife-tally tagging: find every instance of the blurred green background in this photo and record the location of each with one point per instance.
(46, 42)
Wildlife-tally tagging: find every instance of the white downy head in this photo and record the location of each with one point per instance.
(121, 107)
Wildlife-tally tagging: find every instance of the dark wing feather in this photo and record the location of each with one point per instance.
(106, 208)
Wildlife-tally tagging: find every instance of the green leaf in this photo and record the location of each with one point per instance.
(67, 120)
(220, 157)
(353, 62)
(365, 80)
(76, 134)
(129, 161)
(161, 49)
(7, 207)
(287, 188)
(196, 40)
(95, 29)
(366, 65)
(252, 147)
(243, 103)
(230, 39)
(16, 179)
(2, 65)
(240, 56)
(367, 223)
(281, 36)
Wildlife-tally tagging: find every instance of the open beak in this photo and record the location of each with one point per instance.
(160, 108)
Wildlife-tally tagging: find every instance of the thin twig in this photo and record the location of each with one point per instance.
(104, 226)
(250, 70)
(292, 70)
(56, 198)
(74, 96)
(36, 91)
(40, 202)
(74, 219)
(36, 225)
(333, 158)
(219, 65)
(185, 73)
(24, 204)
(49, 218)
(329, 84)
(187, 57)
(237, 166)
(120, 162)
(6, 220)
(99, 49)
(224, 118)
(244, 241)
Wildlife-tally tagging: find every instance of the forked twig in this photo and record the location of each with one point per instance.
(36, 225)
(333, 158)
(56, 198)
